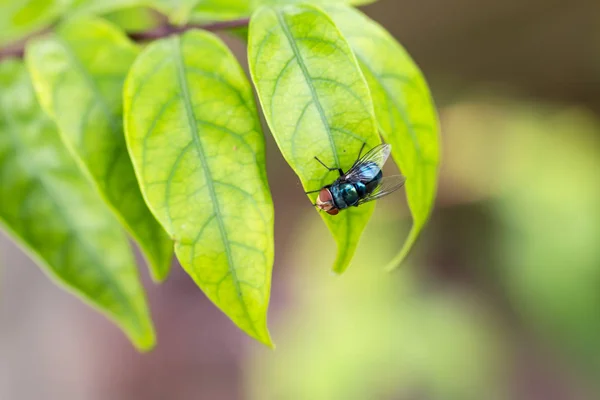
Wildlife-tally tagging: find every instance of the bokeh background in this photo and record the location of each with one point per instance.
(500, 299)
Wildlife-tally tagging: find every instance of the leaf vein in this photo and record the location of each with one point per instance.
(183, 84)
(307, 77)
(153, 124)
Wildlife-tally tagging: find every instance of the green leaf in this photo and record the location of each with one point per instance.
(316, 103)
(274, 3)
(99, 7)
(134, 19)
(79, 75)
(129, 15)
(52, 211)
(404, 108)
(195, 140)
(178, 11)
(223, 10)
(20, 18)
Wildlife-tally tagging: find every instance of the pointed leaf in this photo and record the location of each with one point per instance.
(78, 75)
(54, 213)
(405, 111)
(316, 103)
(195, 140)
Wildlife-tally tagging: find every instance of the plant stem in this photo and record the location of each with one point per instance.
(166, 30)
(17, 50)
(12, 52)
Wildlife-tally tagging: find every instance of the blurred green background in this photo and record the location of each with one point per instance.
(500, 299)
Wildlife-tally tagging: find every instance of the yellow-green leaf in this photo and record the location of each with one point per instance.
(178, 11)
(193, 133)
(19, 18)
(223, 10)
(405, 111)
(316, 103)
(129, 15)
(134, 19)
(79, 74)
(99, 7)
(54, 213)
(274, 3)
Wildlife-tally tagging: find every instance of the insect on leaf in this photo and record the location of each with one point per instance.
(404, 108)
(193, 133)
(79, 75)
(316, 103)
(53, 212)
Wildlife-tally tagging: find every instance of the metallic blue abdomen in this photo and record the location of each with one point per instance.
(344, 195)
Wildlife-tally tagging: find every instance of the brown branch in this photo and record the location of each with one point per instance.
(167, 30)
(17, 50)
(12, 52)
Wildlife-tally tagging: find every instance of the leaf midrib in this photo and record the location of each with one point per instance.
(183, 85)
(308, 79)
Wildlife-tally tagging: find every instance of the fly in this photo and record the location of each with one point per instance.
(362, 183)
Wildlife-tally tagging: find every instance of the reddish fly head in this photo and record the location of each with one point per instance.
(325, 202)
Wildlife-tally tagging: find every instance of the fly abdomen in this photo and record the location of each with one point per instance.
(361, 189)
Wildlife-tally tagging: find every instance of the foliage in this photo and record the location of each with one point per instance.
(313, 109)
(200, 160)
(164, 141)
(52, 210)
(87, 59)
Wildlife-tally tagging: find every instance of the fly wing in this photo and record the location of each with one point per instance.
(388, 185)
(368, 166)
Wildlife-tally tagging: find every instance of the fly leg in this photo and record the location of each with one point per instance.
(330, 169)
(313, 191)
(361, 150)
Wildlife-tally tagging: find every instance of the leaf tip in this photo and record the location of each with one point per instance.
(160, 266)
(270, 344)
(342, 262)
(264, 336)
(144, 341)
(406, 247)
(159, 274)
